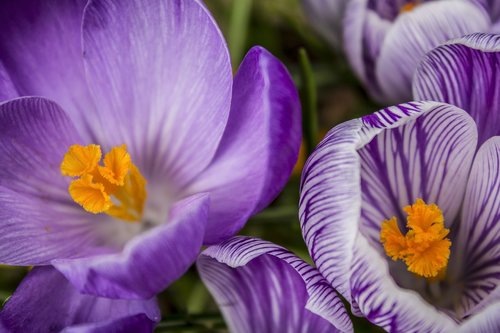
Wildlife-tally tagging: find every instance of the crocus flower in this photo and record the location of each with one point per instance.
(46, 302)
(148, 149)
(262, 287)
(400, 209)
(385, 40)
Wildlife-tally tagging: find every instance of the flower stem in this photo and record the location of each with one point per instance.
(309, 102)
(238, 28)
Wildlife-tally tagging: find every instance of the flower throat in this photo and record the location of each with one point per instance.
(115, 188)
(425, 248)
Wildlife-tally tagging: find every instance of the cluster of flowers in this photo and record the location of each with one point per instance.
(190, 153)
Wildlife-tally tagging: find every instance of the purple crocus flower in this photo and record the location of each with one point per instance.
(385, 40)
(406, 183)
(262, 287)
(46, 302)
(148, 149)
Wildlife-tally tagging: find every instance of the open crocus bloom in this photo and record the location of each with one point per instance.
(147, 148)
(406, 183)
(46, 302)
(262, 287)
(385, 40)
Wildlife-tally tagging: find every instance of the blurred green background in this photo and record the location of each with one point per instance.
(330, 94)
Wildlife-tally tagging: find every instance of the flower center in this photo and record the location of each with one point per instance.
(425, 248)
(409, 7)
(115, 188)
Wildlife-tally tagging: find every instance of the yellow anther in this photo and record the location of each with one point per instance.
(116, 188)
(409, 7)
(116, 165)
(425, 248)
(91, 196)
(80, 160)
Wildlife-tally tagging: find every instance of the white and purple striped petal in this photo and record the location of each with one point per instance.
(487, 321)
(160, 75)
(259, 147)
(427, 158)
(46, 302)
(465, 72)
(478, 242)
(261, 287)
(415, 33)
(344, 189)
(384, 43)
(383, 302)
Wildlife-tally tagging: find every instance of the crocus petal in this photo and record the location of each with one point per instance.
(259, 147)
(466, 73)
(38, 219)
(486, 321)
(46, 302)
(384, 303)
(479, 234)
(7, 89)
(40, 47)
(326, 17)
(149, 262)
(429, 158)
(261, 287)
(167, 95)
(364, 32)
(366, 170)
(417, 32)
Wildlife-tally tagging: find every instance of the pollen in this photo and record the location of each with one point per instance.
(116, 188)
(425, 248)
(409, 7)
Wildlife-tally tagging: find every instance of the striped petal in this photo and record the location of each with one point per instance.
(261, 287)
(386, 304)
(417, 32)
(466, 73)
(487, 321)
(479, 236)
(366, 170)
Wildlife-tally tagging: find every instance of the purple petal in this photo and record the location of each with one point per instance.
(384, 303)
(167, 95)
(344, 188)
(259, 147)
(417, 32)
(39, 221)
(7, 88)
(466, 73)
(148, 263)
(261, 287)
(40, 47)
(487, 321)
(479, 235)
(46, 302)
(326, 17)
